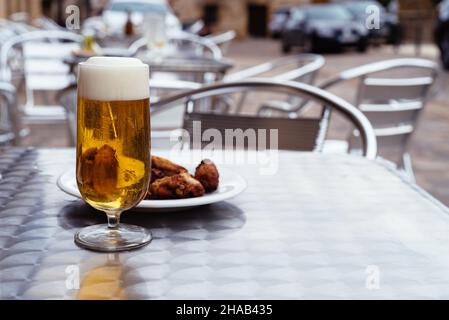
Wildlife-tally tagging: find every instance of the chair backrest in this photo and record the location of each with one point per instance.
(201, 43)
(291, 134)
(392, 103)
(41, 67)
(195, 27)
(380, 66)
(306, 67)
(307, 134)
(46, 23)
(33, 36)
(385, 90)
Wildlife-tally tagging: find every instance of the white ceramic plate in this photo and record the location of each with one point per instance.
(231, 184)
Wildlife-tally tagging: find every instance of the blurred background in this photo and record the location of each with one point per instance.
(249, 18)
(254, 32)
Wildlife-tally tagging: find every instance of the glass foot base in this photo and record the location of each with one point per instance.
(101, 238)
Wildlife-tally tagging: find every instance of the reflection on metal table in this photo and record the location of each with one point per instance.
(194, 66)
(324, 226)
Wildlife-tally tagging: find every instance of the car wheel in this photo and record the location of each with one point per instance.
(286, 48)
(394, 35)
(362, 46)
(445, 60)
(309, 45)
(445, 50)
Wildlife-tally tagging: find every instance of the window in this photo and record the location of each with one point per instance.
(210, 14)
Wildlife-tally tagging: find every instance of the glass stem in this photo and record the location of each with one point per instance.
(113, 219)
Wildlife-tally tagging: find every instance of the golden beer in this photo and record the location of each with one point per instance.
(113, 165)
(113, 148)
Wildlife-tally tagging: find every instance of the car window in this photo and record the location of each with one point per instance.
(444, 10)
(328, 13)
(139, 7)
(296, 18)
(298, 15)
(279, 17)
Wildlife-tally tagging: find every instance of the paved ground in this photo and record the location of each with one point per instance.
(429, 147)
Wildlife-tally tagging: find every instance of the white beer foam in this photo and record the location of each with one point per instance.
(113, 79)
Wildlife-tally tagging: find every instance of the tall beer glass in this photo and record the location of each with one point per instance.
(113, 148)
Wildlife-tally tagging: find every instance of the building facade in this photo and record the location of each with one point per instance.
(246, 17)
(251, 17)
(8, 7)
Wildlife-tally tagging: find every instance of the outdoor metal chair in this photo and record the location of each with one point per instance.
(392, 100)
(294, 134)
(45, 23)
(195, 27)
(16, 27)
(223, 40)
(200, 45)
(304, 68)
(40, 69)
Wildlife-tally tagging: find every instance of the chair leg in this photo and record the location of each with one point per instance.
(408, 166)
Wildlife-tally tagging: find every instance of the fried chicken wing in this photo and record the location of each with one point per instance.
(86, 166)
(105, 173)
(207, 174)
(99, 169)
(177, 186)
(161, 167)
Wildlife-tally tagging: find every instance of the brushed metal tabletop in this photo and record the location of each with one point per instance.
(325, 226)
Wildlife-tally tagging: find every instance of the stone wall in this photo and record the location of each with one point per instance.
(417, 19)
(8, 7)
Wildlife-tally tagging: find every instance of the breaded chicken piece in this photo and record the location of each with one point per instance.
(161, 167)
(99, 169)
(105, 173)
(178, 186)
(207, 174)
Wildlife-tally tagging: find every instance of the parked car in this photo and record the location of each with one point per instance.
(278, 20)
(442, 32)
(389, 28)
(323, 27)
(115, 14)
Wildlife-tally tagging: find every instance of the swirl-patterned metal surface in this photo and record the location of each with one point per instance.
(325, 226)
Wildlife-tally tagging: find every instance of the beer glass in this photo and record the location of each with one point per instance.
(156, 35)
(113, 148)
